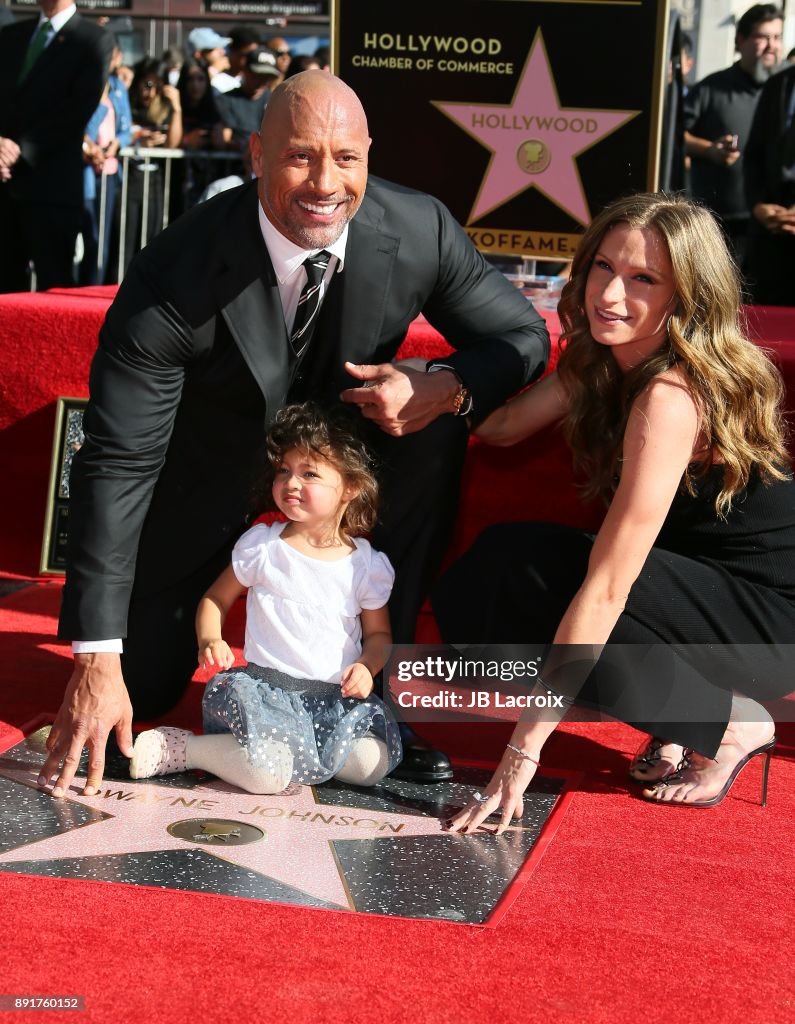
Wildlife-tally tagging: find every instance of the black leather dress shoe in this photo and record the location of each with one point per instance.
(421, 762)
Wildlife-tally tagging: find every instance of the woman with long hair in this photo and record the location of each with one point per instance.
(199, 113)
(192, 175)
(156, 106)
(686, 594)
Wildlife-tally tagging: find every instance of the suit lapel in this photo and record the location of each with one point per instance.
(248, 297)
(361, 301)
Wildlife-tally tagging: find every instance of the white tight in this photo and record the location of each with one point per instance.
(223, 756)
(366, 764)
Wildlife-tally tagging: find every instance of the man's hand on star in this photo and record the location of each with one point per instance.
(400, 398)
(96, 701)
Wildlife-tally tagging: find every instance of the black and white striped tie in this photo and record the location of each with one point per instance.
(309, 302)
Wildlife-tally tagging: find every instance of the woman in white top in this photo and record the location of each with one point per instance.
(317, 628)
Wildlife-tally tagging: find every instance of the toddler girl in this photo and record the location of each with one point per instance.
(317, 629)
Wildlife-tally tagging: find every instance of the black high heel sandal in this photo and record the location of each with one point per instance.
(684, 764)
(647, 761)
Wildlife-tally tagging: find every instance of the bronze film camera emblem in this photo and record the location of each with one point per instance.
(215, 831)
(533, 156)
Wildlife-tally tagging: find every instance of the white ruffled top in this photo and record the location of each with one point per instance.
(302, 614)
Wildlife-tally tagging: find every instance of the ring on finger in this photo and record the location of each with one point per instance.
(481, 798)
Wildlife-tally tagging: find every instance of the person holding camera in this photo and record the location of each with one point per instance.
(718, 114)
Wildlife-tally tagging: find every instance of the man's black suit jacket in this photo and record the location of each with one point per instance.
(46, 115)
(763, 159)
(193, 359)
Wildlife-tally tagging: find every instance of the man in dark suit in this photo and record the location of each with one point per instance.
(770, 191)
(196, 355)
(52, 72)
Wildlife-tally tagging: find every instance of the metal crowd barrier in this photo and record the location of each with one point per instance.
(149, 156)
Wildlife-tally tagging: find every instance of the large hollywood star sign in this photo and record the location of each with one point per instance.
(524, 116)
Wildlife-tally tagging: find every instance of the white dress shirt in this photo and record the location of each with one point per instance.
(57, 22)
(288, 265)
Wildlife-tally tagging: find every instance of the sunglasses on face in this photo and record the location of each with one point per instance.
(282, 53)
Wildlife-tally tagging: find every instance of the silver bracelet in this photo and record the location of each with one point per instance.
(521, 753)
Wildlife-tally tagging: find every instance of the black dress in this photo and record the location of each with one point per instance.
(713, 609)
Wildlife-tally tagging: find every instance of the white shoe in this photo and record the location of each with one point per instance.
(159, 752)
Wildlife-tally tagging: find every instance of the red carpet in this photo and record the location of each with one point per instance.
(636, 912)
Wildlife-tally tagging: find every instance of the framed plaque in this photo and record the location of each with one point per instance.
(67, 439)
(525, 117)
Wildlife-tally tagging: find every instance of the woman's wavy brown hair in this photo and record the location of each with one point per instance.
(329, 433)
(736, 388)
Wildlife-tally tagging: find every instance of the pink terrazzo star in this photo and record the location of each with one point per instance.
(534, 141)
(299, 831)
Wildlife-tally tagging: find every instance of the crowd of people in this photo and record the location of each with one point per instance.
(209, 96)
(205, 97)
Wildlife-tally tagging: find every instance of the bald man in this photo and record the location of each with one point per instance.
(194, 358)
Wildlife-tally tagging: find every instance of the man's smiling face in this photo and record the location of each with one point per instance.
(311, 158)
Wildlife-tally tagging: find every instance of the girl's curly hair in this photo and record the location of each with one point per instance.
(329, 433)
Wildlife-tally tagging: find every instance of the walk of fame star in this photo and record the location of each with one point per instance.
(380, 850)
(534, 141)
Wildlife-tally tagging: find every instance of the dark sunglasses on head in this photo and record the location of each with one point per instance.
(149, 84)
